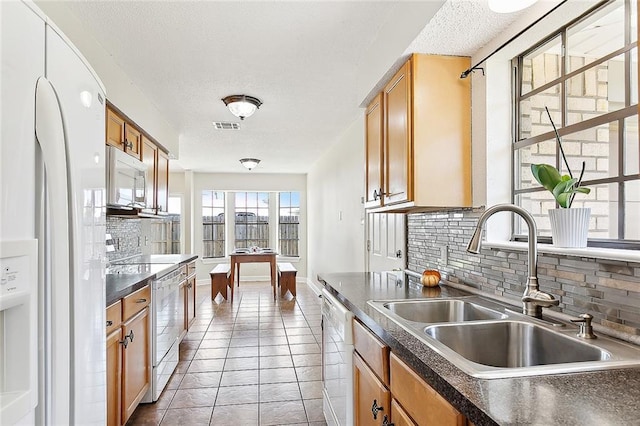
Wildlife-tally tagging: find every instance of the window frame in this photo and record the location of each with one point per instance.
(619, 116)
(280, 223)
(223, 224)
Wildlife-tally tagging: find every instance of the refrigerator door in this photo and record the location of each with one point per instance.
(82, 103)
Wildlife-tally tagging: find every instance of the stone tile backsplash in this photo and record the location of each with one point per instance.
(608, 290)
(138, 236)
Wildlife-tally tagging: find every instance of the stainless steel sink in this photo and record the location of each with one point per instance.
(513, 344)
(488, 340)
(444, 310)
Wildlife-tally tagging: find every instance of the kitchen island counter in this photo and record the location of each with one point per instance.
(607, 397)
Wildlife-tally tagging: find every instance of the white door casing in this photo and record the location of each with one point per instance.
(386, 241)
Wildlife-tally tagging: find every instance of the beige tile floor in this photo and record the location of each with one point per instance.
(253, 362)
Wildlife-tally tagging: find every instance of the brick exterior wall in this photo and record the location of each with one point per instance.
(608, 290)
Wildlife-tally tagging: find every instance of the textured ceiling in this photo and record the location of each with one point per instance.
(300, 58)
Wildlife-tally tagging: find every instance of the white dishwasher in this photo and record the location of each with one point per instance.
(337, 363)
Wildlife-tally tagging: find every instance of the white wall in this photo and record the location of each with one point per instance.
(335, 186)
(191, 184)
(120, 89)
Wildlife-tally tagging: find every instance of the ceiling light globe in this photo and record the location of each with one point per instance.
(249, 163)
(242, 105)
(509, 6)
(242, 109)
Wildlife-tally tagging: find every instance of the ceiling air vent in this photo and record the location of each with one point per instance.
(226, 125)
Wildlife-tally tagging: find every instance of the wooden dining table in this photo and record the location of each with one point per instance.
(253, 257)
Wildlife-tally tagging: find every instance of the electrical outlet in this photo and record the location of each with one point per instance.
(444, 255)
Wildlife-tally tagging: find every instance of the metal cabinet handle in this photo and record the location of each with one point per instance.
(128, 144)
(375, 408)
(129, 336)
(386, 422)
(109, 323)
(141, 301)
(124, 342)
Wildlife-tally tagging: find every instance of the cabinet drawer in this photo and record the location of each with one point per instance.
(420, 400)
(135, 302)
(373, 351)
(114, 316)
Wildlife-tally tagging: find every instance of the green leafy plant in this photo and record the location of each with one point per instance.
(563, 187)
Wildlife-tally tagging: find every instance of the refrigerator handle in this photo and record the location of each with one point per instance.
(50, 135)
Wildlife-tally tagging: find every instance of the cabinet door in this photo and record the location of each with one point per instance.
(374, 127)
(183, 302)
(150, 159)
(190, 309)
(132, 141)
(371, 398)
(399, 417)
(397, 141)
(135, 362)
(163, 181)
(114, 377)
(115, 130)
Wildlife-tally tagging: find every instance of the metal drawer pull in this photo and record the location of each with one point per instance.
(386, 422)
(109, 323)
(141, 301)
(375, 408)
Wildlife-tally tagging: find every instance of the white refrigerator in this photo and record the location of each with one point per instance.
(52, 194)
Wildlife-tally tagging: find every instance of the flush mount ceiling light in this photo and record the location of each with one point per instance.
(242, 105)
(509, 6)
(249, 163)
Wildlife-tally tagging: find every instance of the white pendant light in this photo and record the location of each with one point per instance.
(249, 163)
(242, 105)
(509, 6)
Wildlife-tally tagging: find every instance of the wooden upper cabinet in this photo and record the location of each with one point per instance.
(397, 137)
(115, 129)
(427, 136)
(122, 135)
(162, 174)
(132, 141)
(150, 159)
(374, 128)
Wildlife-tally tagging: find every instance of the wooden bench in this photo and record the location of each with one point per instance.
(287, 279)
(220, 281)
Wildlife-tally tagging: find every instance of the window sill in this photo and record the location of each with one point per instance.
(589, 252)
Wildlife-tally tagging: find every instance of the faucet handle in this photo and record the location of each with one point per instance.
(586, 330)
(540, 298)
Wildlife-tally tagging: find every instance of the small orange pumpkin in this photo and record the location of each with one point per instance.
(430, 278)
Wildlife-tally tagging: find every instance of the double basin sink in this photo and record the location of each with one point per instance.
(488, 340)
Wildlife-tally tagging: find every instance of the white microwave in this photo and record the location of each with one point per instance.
(126, 180)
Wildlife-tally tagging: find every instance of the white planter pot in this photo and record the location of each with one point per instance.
(570, 227)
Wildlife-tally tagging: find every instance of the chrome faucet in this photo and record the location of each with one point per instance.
(533, 300)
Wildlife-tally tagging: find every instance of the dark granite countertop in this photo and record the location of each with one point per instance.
(124, 282)
(600, 398)
(157, 258)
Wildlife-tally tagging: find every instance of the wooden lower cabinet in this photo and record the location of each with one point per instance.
(135, 363)
(399, 417)
(128, 355)
(372, 399)
(419, 400)
(114, 377)
(190, 308)
(407, 401)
